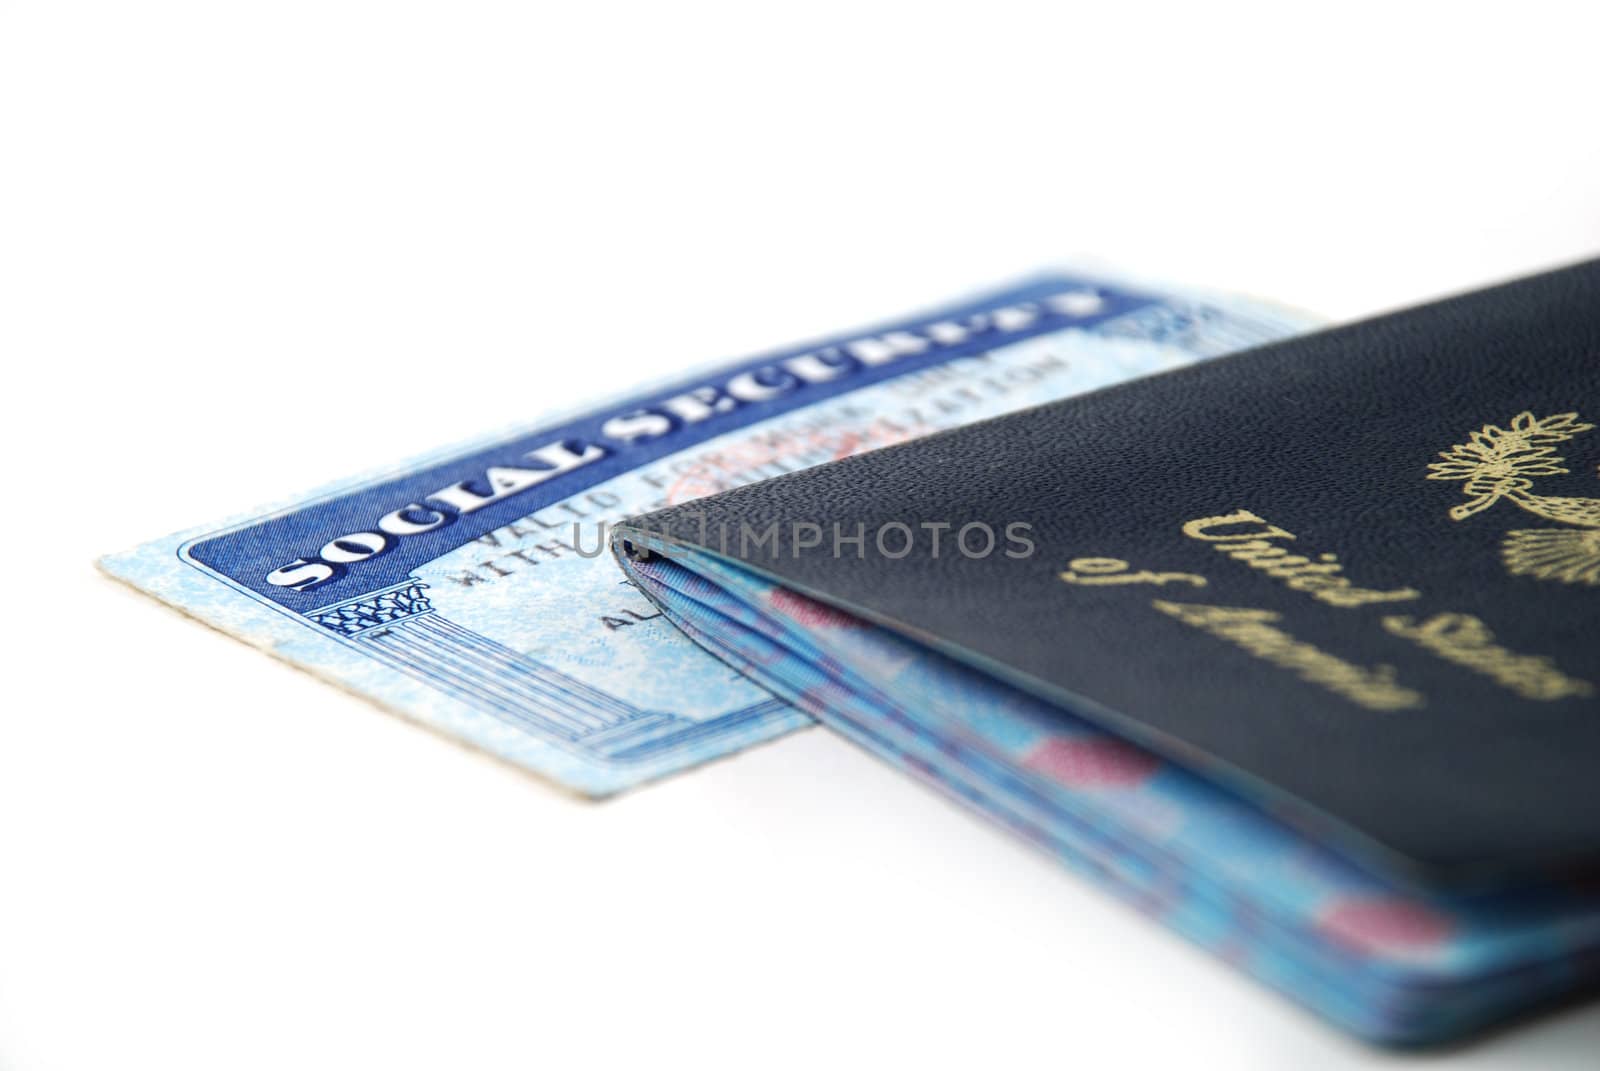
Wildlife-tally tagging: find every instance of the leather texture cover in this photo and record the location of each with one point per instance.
(1355, 575)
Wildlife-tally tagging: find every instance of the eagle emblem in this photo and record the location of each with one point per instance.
(1501, 464)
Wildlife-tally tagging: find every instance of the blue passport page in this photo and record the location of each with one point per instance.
(1377, 956)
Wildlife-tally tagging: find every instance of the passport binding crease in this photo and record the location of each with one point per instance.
(448, 589)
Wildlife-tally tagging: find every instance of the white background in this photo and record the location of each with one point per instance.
(247, 248)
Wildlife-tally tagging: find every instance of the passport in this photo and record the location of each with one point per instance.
(1298, 650)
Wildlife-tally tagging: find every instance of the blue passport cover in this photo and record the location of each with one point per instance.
(1354, 575)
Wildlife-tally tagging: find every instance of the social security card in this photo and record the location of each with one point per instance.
(472, 590)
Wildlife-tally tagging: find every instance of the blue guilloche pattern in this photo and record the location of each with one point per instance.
(467, 589)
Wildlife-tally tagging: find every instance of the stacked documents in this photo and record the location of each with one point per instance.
(471, 590)
(1295, 650)
(1291, 648)
(1377, 956)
